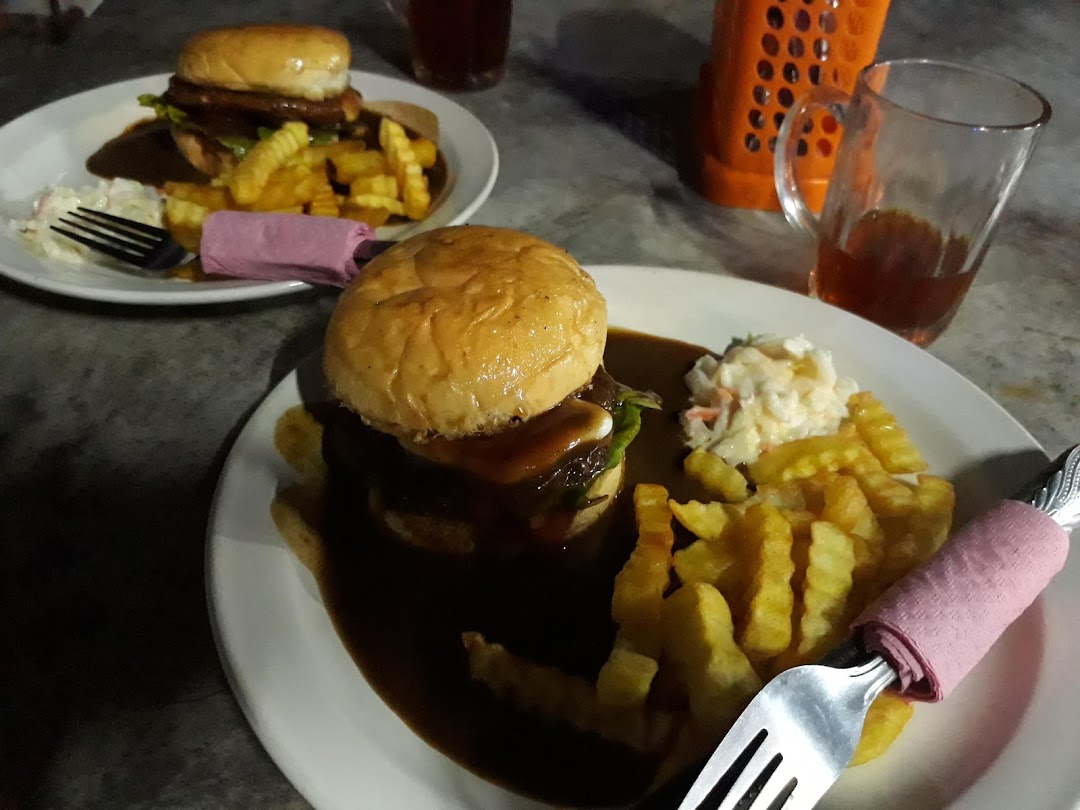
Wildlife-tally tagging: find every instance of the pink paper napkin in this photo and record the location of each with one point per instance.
(283, 247)
(937, 623)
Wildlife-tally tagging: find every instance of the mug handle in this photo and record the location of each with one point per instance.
(787, 144)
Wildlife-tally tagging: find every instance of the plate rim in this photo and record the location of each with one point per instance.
(276, 748)
(228, 291)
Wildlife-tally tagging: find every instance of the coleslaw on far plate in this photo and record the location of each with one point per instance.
(124, 198)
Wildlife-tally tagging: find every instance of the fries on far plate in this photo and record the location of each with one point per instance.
(285, 173)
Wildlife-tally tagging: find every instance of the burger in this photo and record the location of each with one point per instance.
(234, 86)
(475, 412)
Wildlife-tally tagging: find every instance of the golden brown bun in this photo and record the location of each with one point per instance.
(303, 61)
(204, 153)
(454, 536)
(462, 331)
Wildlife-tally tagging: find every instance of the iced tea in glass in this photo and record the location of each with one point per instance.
(931, 152)
(459, 44)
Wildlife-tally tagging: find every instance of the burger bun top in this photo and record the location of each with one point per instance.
(300, 61)
(464, 331)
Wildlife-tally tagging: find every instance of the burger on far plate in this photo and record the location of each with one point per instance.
(476, 413)
(235, 85)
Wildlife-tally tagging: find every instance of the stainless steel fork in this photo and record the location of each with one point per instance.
(123, 239)
(796, 736)
(791, 743)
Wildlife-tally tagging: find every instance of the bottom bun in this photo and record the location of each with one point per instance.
(204, 153)
(455, 536)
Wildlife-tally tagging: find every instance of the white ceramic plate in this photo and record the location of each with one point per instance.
(50, 145)
(1005, 739)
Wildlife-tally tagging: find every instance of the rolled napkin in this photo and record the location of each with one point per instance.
(938, 622)
(284, 247)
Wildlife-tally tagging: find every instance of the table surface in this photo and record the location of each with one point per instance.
(116, 420)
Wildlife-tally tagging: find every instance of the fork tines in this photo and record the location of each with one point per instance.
(123, 239)
(130, 224)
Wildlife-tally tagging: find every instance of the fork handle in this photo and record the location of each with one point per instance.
(938, 622)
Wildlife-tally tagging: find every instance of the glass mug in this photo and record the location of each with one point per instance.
(931, 152)
(457, 44)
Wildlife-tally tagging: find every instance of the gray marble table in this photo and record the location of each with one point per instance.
(115, 420)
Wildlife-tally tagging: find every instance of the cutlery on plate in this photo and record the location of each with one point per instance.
(238, 244)
(123, 239)
(923, 636)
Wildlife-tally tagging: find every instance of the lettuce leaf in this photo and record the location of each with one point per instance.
(237, 144)
(627, 422)
(164, 111)
(321, 137)
(626, 425)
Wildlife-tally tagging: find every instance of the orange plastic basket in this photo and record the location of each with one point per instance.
(764, 55)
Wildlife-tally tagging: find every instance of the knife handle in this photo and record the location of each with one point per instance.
(938, 622)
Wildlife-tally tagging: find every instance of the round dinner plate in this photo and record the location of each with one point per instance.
(1005, 738)
(49, 146)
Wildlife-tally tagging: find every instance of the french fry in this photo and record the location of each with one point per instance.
(921, 533)
(404, 165)
(886, 495)
(799, 520)
(803, 458)
(184, 213)
(716, 475)
(713, 563)
(416, 195)
(297, 512)
(845, 505)
(936, 500)
(349, 166)
(324, 203)
(383, 185)
(889, 442)
(638, 595)
(886, 718)
(314, 157)
(830, 561)
(378, 201)
(770, 599)
(375, 217)
(287, 187)
(783, 495)
(625, 678)
(184, 219)
(298, 440)
(699, 638)
(813, 490)
(546, 691)
(708, 521)
(269, 154)
(209, 197)
(426, 152)
(189, 237)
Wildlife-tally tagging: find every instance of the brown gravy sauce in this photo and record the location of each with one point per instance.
(145, 152)
(400, 613)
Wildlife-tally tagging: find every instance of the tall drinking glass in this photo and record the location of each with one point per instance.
(459, 44)
(930, 154)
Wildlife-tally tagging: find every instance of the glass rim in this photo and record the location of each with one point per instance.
(863, 86)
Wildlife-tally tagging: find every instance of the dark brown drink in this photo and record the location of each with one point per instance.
(459, 44)
(895, 270)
